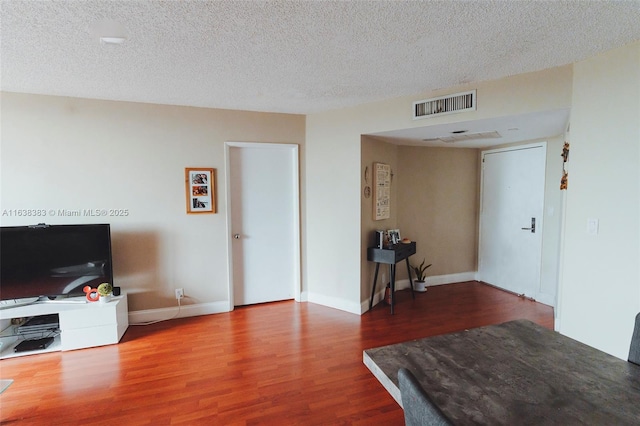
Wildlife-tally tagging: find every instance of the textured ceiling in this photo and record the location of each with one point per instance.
(291, 56)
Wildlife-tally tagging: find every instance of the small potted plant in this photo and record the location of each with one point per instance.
(420, 271)
(105, 290)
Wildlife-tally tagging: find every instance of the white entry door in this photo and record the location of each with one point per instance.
(263, 222)
(510, 252)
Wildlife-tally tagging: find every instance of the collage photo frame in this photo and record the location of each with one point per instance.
(200, 189)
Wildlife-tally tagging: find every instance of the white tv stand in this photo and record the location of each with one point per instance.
(82, 325)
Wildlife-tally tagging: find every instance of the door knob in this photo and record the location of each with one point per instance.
(533, 226)
(236, 236)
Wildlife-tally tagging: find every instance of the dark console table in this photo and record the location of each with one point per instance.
(391, 256)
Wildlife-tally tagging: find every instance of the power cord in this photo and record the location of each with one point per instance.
(161, 320)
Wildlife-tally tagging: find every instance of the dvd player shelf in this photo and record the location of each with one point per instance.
(11, 341)
(81, 325)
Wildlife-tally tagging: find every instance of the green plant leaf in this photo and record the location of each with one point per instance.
(420, 270)
(105, 289)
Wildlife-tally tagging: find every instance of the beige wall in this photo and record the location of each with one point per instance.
(378, 151)
(438, 193)
(374, 150)
(427, 205)
(600, 279)
(64, 153)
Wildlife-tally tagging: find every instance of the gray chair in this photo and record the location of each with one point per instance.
(418, 408)
(634, 350)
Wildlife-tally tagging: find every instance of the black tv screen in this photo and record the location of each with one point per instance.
(53, 260)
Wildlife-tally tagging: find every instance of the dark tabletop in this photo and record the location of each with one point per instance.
(516, 373)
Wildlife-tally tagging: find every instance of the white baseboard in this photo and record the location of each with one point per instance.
(148, 315)
(440, 280)
(184, 311)
(451, 278)
(160, 314)
(431, 281)
(334, 302)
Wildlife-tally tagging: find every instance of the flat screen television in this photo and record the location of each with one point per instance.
(53, 260)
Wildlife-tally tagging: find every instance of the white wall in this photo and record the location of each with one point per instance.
(333, 161)
(600, 284)
(553, 215)
(333, 207)
(64, 153)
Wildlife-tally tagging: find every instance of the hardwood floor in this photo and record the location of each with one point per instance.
(279, 363)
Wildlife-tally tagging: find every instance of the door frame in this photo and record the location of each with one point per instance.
(542, 145)
(295, 178)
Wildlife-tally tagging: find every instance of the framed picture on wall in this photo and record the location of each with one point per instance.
(200, 189)
(381, 191)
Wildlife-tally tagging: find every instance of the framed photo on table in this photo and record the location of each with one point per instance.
(200, 188)
(394, 236)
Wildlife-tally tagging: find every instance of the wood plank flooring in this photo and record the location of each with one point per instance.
(280, 363)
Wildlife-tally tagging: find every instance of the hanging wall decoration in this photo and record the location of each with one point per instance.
(381, 191)
(367, 189)
(565, 152)
(564, 181)
(200, 187)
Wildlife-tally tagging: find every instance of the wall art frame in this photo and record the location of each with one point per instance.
(200, 186)
(381, 191)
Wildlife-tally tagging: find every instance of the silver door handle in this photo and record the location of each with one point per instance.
(533, 226)
(236, 236)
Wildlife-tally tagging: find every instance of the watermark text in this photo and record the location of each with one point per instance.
(65, 212)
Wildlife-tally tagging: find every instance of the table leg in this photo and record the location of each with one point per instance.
(393, 286)
(373, 290)
(410, 280)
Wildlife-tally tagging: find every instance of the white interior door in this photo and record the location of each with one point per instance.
(264, 222)
(510, 252)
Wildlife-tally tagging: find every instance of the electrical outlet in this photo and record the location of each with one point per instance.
(179, 293)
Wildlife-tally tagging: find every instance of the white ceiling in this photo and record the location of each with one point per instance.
(513, 128)
(293, 56)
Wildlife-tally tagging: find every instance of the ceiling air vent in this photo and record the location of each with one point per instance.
(463, 136)
(449, 104)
